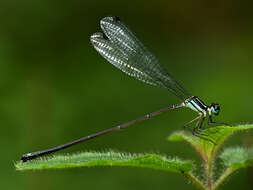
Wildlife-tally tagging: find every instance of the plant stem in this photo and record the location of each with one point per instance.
(195, 180)
(222, 178)
(209, 173)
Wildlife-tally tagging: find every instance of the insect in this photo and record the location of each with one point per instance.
(119, 46)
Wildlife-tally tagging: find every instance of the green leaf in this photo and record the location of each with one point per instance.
(208, 149)
(207, 146)
(236, 158)
(90, 159)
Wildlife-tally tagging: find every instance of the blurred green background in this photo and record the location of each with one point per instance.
(54, 87)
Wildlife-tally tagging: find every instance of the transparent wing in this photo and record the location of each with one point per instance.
(122, 49)
(120, 60)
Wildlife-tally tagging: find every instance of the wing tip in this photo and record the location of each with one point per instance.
(94, 38)
(109, 19)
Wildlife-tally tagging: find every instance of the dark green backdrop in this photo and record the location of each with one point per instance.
(54, 87)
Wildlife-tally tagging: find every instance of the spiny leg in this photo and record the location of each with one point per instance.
(197, 131)
(197, 126)
(194, 131)
(190, 122)
(211, 122)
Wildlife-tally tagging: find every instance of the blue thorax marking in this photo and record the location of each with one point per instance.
(196, 105)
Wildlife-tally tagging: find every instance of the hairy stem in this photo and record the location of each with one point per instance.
(222, 178)
(195, 180)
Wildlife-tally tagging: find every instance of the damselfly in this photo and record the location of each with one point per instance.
(118, 45)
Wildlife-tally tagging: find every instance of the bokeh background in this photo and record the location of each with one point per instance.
(54, 87)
